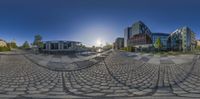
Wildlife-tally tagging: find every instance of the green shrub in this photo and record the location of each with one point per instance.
(122, 48)
(198, 47)
(2, 49)
(128, 49)
(13, 45)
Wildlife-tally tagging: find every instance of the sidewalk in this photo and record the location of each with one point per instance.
(157, 59)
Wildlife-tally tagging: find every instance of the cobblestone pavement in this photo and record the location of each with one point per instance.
(113, 76)
(65, 62)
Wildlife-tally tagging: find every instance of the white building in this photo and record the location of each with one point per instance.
(61, 45)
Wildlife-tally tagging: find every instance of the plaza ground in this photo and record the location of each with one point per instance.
(112, 74)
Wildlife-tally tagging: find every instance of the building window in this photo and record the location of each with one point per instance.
(44, 47)
(54, 45)
(69, 44)
(65, 46)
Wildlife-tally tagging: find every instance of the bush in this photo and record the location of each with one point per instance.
(198, 47)
(13, 45)
(124, 49)
(128, 49)
(2, 49)
(26, 45)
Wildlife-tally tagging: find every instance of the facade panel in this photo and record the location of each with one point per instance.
(183, 39)
(119, 43)
(163, 37)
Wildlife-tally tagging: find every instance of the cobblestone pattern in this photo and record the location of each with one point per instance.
(18, 76)
(114, 75)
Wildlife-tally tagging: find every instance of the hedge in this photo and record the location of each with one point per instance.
(2, 49)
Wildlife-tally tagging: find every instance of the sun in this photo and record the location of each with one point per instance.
(98, 42)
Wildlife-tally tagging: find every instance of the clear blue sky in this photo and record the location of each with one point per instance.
(89, 20)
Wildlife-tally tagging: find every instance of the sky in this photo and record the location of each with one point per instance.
(92, 21)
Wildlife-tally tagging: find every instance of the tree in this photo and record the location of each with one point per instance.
(9, 46)
(158, 44)
(13, 44)
(82, 46)
(38, 41)
(107, 46)
(26, 45)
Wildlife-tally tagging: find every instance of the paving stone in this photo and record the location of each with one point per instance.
(16, 93)
(9, 89)
(73, 90)
(115, 88)
(118, 75)
(117, 95)
(120, 91)
(57, 93)
(44, 89)
(33, 92)
(95, 94)
(57, 89)
(108, 91)
(20, 89)
(32, 88)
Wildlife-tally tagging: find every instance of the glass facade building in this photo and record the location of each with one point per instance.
(139, 35)
(140, 28)
(127, 35)
(163, 37)
(182, 39)
(119, 43)
(140, 39)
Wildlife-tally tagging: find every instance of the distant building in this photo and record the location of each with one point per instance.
(163, 37)
(3, 43)
(198, 43)
(119, 43)
(61, 46)
(127, 35)
(182, 39)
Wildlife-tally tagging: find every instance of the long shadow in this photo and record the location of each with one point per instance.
(185, 78)
(79, 64)
(131, 87)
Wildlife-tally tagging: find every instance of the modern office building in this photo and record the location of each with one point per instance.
(61, 45)
(137, 35)
(119, 43)
(163, 37)
(3, 43)
(182, 39)
(140, 28)
(140, 36)
(140, 41)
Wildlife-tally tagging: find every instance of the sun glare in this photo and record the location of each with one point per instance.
(98, 42)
